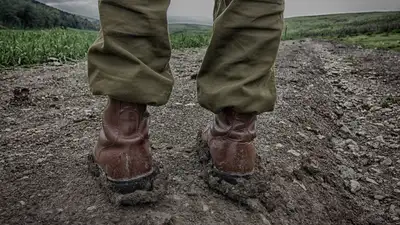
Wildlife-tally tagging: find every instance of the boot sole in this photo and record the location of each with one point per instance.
(144, 182)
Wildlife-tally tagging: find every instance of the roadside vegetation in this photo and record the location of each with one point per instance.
(371, 30)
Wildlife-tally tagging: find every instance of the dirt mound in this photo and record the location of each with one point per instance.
(328, 154)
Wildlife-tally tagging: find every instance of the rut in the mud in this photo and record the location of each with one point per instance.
(328, 154)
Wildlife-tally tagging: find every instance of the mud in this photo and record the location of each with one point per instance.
(328, 154)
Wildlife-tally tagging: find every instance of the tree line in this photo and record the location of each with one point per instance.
(30, 14)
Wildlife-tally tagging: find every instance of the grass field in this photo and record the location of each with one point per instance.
(373, 30)
(26, 47)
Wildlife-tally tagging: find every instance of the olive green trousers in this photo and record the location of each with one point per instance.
(130, 59)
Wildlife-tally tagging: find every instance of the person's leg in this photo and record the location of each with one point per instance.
(237, 78)
(129, 63)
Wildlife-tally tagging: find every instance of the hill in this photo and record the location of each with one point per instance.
(30, 14)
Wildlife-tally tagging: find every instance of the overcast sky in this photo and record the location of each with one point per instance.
(203, 8)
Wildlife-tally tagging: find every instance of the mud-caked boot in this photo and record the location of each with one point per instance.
(230, 143)
(122, 153)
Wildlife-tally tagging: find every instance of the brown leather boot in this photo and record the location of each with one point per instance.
(230, 141)
(122, 152)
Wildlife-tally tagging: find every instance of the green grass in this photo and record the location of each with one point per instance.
(27, 47)
(19, 47)
(372, 30)
(378, 41)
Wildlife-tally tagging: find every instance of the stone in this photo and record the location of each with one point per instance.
(320, 137)
(387, 162)
(354, 186)
(279, 145)
(303, 135)
(264, 219)
(345, 129)
(371, 181)
(379, 197)
(91, 208)
(347, 172)
(380, 139)
(294, 152)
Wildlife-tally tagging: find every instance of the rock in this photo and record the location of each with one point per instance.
(371, 181)
(387, 162)
(303, 135)
(91, 208)
(398, 184)
(386, 110)
(40, 160)
(376, 170)
(22, 202)
(279, 145)
(347, 172)
(380, 139)
(354, 186)
(375, 108)
(320, 137)
(205, 207)
(264, 219)
(352, 145)
(345, 129)
(190, 104)
(379, 197)
(338, 143)
(397, 191)
(348, 104)
(7, 130)
(395, 218)
(361, 133)
(392, 209)
(294, 152)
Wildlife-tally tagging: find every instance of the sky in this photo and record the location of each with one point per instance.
(203, 8)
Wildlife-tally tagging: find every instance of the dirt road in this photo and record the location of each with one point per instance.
(331, 147)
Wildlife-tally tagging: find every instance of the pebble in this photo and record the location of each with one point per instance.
(380, 139)
(348, 104)
(376, 170)
(397, 190)
(392, 209)
(345, 129)
(371, 180)
(40, 160)
(205, 208)
(354, 186)
(22, 202)
(387, 162)
(294, 152)
(320, 137)
(264, 219)
(303, 135)
(279, 145)
(352, 145)
(91, 208)
(379, 197)
(347, 172)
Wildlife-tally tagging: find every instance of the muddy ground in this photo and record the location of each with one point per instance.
(331, 149)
